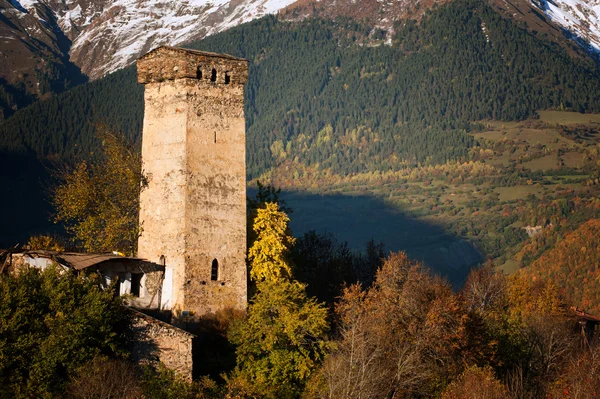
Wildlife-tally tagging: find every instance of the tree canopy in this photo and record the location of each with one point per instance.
(282, 341)
(268, 256)
(52, 323)
(284, 336)
(98, 200)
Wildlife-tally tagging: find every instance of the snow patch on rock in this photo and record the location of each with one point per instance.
(126, 29)
(580, 17)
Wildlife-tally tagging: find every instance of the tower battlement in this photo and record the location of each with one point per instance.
(171, 63)
(193, 212)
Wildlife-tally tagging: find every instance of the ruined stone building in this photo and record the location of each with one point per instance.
(137, 279)
(193, 212)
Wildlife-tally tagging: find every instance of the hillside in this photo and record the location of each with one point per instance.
(408, 126)
(572, 265)
(432, 82)
(50, 46)
(521, 180)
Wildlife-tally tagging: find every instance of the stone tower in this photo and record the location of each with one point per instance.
(193, 212)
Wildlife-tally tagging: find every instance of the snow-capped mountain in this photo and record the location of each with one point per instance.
(107, 35)
(581, 18)
(47, 46)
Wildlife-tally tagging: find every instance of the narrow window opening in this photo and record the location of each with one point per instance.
(227, 78)
(136, 283)
(215, 137)
(117, 286)
(214, 270)
(213, 75)
(199, 73)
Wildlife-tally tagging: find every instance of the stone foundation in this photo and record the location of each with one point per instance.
(158, 342)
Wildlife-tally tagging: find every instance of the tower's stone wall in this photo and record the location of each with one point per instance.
(193, 213)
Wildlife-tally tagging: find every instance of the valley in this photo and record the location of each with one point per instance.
(520, 175)
(422, 213)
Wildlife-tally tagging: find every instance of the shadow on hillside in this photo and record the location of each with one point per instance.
(24, 209)
(357, 219)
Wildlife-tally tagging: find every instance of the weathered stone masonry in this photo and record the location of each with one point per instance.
(157, 342)
(193, 213)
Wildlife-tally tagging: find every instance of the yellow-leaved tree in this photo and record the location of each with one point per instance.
(284, 336)
(268, 255)
(98, 202)
(280, 343)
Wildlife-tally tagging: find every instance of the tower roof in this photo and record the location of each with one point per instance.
(170, 63)
(187, 52)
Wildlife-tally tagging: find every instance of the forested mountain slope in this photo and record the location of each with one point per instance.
(328, 100)
(50, 46)
(322, 90)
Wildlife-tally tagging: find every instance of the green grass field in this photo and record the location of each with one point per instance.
(507, 194)
(567, 118)
(544, 163)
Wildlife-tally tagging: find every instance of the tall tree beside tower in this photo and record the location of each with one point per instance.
(98, 201)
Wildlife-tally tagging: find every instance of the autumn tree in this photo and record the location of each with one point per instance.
(539, 318)
(404, 336)
(570, 265)
(105, 378)
(485, 290)
(265, 193)
(45, 242)
(284, 336)
(580, 377)
(268, 256)
(281, 342)
(98, 201)
(476, 383)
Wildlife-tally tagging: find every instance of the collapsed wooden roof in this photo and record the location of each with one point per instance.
(81, 261)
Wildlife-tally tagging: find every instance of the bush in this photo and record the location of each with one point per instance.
(476, 383)
(104, 378)
(51, 323)
(165, 384)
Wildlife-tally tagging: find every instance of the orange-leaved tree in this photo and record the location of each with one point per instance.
(407, 335)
